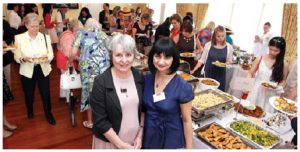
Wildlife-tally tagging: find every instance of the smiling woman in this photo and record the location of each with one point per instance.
(118, 120)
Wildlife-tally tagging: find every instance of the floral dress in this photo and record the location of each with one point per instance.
(93, 60)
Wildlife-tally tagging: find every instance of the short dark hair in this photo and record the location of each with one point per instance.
(166, 46)
(187, 27)
(106, 4)
(268, 23)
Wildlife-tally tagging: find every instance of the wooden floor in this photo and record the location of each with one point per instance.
(37, 133)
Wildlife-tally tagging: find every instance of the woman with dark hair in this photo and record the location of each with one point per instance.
(168, 123)
(188, 42)
(84, 15)
(270, 67)
(163, 30)
(141, 32)
(13, 18)
(216, 50)
(31, 8)
(50, 25)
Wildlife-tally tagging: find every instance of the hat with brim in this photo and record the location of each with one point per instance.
(228, 30)
(126, 11)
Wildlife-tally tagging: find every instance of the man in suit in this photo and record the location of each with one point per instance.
(104, 16)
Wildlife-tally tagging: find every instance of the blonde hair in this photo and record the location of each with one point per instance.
(92, 23)
(211, 25)
(31, 17)
(75, 24)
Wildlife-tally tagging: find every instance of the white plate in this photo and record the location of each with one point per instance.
(8, 49)
(221, 64)
(270, 83)
(141, 34)
(282, 129)
(272, 100)
(187, 55)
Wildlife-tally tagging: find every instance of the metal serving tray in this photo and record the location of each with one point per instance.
(251, 141)
(209, 110)
(214, 146)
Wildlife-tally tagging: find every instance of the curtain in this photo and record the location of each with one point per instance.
(289, 31)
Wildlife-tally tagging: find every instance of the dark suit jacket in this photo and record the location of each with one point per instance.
(105, 104)
(101, 18)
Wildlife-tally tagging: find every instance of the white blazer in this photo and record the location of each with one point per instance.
(24, 49)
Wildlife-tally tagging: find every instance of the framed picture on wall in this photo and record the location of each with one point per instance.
(70, 5)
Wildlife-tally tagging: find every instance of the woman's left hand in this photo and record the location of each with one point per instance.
(137, 143)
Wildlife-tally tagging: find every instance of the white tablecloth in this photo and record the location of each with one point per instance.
(232, 72)
(225, 120)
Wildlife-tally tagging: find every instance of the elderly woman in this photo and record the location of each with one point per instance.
(116, 99)
(34, 54)
(64, 52)
(93, 60)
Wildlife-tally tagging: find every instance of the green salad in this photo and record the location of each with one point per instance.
(254, 133)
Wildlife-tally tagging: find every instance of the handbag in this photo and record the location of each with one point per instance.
(70, 81)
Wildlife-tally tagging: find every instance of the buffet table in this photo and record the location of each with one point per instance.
(224, 119)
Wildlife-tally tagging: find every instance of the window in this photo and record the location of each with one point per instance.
(246, 19)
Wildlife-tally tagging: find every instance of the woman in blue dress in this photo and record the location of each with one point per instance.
(168, 123)
(216, 50)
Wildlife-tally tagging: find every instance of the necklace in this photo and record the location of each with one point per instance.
(187, 39)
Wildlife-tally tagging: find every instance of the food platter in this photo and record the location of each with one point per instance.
(255, 134)
(278, 122)
(39, 59)
(208, 101)
(286, 106)
(218, 137)
(257, 112)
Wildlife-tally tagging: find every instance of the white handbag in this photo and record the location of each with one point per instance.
(70, 81)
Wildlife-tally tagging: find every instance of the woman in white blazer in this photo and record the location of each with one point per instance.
(34, 54)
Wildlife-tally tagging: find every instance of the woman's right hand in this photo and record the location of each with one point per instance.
(125, 145)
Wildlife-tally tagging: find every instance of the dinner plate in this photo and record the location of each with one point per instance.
(272, 102)
(187, 55)
(272, 85)
(9, 49)
(219, 64)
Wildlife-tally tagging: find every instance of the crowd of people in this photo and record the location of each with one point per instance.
(126, 109)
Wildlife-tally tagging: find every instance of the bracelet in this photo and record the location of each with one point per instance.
(141, 126)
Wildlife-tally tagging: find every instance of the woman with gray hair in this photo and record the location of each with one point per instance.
(116, 99)
(93, 60)
(34, 53)
(64, 52)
